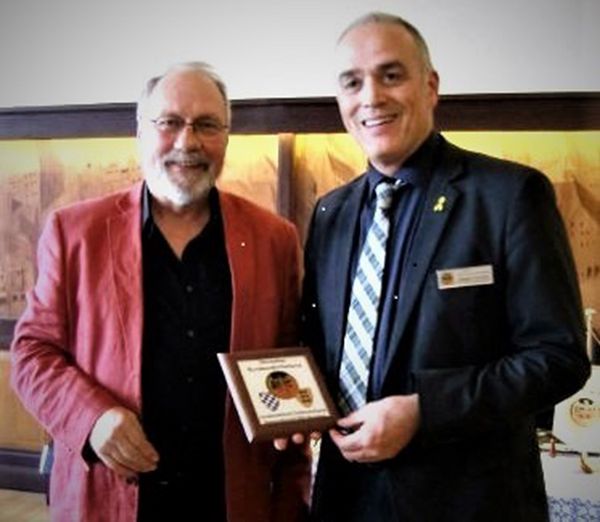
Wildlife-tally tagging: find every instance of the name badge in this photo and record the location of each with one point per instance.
(468, 276)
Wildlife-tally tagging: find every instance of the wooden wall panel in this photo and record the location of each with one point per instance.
(18, 430)
(532, 111)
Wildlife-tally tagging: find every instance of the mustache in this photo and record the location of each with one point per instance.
(186, 158)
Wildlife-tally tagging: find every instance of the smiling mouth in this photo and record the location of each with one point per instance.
(202, 165)
(377, 121)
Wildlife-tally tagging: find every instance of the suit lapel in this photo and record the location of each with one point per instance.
(125, 261)
(339, 269)
(440, 199)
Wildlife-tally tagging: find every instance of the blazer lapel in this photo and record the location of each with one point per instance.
(240, 248)
(439, 201)
(125, 260)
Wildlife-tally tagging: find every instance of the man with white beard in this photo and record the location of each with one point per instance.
(115, 354)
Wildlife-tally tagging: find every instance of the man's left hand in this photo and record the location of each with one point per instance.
(379, 430)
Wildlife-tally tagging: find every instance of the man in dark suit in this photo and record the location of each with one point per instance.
(479, 325)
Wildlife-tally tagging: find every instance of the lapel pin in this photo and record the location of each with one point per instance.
(439, 204)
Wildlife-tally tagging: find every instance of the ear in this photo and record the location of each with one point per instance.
(433, 85)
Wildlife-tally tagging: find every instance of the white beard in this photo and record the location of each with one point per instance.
(162, 186)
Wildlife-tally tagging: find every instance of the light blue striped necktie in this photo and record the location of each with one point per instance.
(361, 322)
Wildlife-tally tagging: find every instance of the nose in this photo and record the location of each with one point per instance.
(187, 139)
(371, 94)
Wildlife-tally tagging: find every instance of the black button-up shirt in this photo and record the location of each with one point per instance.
(187, 317)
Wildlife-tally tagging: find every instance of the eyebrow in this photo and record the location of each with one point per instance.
(394, 64)
(347, 74)
(379, 68)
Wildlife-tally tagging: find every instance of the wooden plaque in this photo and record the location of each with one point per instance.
(278, 392)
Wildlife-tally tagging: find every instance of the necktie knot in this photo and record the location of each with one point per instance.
(385, 193)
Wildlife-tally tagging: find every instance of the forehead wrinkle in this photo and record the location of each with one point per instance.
(187, 91)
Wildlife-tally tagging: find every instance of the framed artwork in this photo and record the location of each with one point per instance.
(284, 154)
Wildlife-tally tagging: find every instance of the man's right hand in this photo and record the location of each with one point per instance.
(119, 441)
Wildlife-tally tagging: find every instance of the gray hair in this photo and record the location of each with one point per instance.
(377, 17)
(199, 67)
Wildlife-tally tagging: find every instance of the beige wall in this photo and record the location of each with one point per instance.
(67, 51)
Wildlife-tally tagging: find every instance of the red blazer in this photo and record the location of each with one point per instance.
(77, 349)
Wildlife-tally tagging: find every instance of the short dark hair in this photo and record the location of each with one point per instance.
(377, 17)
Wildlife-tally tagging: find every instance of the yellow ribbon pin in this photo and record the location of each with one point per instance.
(439, 204)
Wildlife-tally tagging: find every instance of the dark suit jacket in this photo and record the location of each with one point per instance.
(484, 359)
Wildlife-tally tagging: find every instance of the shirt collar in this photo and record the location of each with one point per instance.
(146, 214)
(415, 171)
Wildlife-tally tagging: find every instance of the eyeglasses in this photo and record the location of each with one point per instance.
(173, 125)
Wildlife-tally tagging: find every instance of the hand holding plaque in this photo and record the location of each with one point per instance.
(278, 392)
